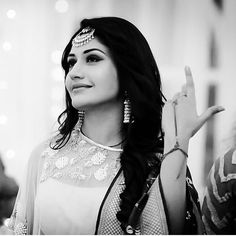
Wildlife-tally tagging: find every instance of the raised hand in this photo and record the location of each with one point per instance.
(180, 116)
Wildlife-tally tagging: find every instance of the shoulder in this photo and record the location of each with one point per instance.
(225, 165)
(229, 159)
(38, 153)
(222, 177)
(36, 160)
(218, 204)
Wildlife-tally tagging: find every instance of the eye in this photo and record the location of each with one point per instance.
(93, 59)
(71, 62)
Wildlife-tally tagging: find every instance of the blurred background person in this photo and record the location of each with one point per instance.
(219, 205)
(8, 192)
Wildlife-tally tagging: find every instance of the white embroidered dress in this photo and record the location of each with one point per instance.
(66, 187)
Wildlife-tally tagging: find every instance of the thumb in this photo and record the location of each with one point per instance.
(209, 113)
(205, 116)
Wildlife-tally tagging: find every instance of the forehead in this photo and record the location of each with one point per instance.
(92, 44)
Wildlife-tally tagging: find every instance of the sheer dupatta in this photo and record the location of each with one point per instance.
(24, 219)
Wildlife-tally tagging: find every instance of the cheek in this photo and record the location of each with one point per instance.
(67, 82)
(111, 82)
(115, 84)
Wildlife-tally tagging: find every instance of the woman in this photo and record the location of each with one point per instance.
(104, 173)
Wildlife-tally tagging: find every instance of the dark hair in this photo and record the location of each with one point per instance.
(139, 76)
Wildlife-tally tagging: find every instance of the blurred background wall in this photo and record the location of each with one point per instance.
(33, 34)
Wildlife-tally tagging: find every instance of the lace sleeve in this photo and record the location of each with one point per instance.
(22, 221)
(18, 223)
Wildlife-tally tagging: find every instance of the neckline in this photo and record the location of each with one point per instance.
(98, 144)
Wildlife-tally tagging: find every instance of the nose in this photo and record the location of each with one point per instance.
(76, 72)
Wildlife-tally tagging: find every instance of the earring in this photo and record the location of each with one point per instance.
(80, 120)
(127, 109)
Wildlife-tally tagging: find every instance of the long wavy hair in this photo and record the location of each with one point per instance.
(138, 76)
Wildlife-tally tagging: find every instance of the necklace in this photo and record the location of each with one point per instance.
(122, 141)
(118, 143)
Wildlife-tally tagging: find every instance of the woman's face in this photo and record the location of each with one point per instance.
(92, 78)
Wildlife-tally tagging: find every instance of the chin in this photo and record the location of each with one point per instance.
(79, 105)
(79, 108)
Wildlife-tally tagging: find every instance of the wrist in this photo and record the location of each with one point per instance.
(170, 143)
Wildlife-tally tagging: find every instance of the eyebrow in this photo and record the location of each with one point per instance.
(93, 49)
(87, 51)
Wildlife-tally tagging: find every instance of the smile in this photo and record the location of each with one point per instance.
(80, 88)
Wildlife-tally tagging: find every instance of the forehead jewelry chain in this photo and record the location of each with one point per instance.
(83, 37)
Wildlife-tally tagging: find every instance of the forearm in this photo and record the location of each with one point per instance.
(180, 122)
(173, 178)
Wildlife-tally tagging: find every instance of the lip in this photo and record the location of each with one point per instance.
(78, 87)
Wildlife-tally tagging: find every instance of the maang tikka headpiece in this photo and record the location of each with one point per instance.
(83, 37)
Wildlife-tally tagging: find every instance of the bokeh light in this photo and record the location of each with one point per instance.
(57, 74)
(11, 14)
(7, 46)
(3, 119)
(10, 154)
(56, 56)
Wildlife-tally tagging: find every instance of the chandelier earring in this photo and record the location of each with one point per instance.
(127, 109)
(80, 120)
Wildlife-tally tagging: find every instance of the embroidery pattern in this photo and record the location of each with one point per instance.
(18, 228)
(80, 160)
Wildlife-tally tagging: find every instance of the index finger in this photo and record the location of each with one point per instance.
(189, 77)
